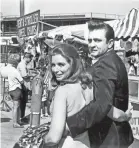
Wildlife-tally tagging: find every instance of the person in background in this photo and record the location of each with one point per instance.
(15, 88)
(23, 70)
(110, 90)
(44, 101)
(47, 78)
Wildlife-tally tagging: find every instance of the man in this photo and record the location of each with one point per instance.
(14, 85)
(22, 68)
(110, 89)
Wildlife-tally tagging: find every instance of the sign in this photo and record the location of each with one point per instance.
(28, 25)
(134, 122)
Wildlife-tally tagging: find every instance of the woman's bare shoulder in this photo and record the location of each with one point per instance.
(62, 89)
(72, 86)
(68, 88)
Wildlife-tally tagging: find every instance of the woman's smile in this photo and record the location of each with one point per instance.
(60, 67)
(58, 75)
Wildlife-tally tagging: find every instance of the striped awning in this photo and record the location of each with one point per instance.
(128, 26)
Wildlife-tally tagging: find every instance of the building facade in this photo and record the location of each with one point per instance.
(9, 28)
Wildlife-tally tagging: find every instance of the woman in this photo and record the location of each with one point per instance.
(70, 97)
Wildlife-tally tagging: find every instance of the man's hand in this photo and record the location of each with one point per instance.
(129, 112)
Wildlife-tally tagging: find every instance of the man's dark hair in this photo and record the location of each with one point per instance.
(94, 25)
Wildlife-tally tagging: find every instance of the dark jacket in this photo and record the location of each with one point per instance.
(110, 88)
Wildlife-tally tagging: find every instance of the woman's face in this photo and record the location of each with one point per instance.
(60, 67)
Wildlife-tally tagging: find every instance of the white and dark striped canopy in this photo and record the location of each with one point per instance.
(128, 26)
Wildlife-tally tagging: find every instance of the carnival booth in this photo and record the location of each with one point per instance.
(73, 34)
(127, 46)
(127, 42)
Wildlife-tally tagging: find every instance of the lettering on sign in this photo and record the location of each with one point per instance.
(28, 24)
(134, 122)
(31, 30)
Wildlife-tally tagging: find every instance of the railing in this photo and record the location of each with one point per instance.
(10, 16)
(72, 15)
(10, 29)
(9, 34)
(86, 14)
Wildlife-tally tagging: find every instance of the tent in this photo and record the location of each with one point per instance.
(124, 28)
(128, 26)
(68, 31)
(75, 32)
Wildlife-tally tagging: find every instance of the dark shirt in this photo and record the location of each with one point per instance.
(110, 88)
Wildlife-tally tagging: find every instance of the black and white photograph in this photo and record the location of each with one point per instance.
(69, 73)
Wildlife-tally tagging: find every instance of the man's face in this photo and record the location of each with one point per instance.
(97, 43)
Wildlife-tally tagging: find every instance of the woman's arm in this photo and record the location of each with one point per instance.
(119, 115)
(58, 118)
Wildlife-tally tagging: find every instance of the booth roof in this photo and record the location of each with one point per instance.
(51, 42)
(128, 26)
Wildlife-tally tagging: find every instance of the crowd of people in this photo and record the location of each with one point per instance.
(89, 107)
(18, 78)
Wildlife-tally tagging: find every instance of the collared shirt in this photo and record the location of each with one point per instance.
(22, 68)
(14, 77)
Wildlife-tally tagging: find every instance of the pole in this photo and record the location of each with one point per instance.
(48, 24)
(21, 7)
(37, 90)
(91, 15)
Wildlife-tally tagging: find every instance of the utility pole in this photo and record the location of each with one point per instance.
(21, 8)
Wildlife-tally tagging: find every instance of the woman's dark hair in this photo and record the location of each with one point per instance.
(70, 53)
(92, 25)
(86, 79)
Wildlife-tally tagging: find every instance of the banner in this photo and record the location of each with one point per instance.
(28, 25)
